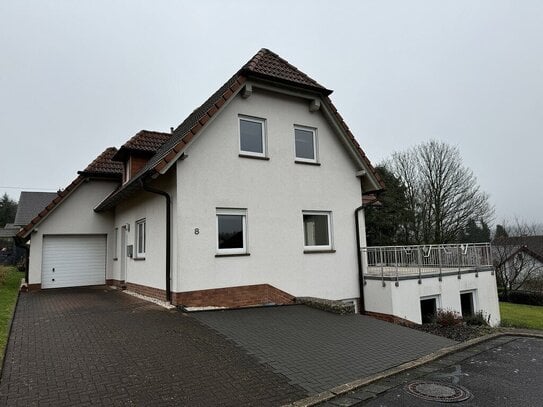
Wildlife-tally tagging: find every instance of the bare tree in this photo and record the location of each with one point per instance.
(518, 256)
(442, 193)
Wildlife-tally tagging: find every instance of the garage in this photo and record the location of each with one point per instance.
(73, 260)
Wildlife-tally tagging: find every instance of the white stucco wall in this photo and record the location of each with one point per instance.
(404, 301)
(74, 216)
(274, 193)
(150, 271)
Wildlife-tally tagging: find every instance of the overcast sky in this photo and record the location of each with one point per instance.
(79, 76)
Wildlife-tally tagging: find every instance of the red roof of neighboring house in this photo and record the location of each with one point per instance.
(264, 65)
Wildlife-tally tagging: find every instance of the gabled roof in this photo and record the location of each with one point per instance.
(265, 65)
(144, 142)
(533, 245)
(104, 166)
(30, 204)
(268, 65)
(101, 167)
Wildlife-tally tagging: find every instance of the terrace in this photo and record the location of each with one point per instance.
(395, 263)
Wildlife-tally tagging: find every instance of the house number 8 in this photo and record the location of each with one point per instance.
(196, 231)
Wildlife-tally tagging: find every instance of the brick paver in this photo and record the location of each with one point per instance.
(101, 347)
(318, 350)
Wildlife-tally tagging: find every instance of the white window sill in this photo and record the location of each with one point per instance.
(139, 258)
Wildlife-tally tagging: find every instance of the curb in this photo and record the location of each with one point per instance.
(348, 387)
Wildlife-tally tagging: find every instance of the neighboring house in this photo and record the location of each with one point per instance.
(250, 201)
(519, 262)
(29, 205)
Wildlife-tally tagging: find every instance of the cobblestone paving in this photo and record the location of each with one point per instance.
(318, 350)
(100, 347)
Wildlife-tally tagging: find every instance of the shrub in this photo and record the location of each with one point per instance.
(477, 319)
(526, 297)
(448, 317)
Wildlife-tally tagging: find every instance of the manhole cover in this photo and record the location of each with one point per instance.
(437, 391)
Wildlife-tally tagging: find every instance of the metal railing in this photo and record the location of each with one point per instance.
(405, 261)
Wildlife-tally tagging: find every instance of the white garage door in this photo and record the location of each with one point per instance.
(71, 261)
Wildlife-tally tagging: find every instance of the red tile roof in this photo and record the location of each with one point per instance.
(145, 141)
(100, 166)
(104, 165)
(268, 64)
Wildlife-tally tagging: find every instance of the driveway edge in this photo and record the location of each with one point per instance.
(3, 361)
(348, 387)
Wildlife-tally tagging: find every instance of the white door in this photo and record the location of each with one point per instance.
(71, 261)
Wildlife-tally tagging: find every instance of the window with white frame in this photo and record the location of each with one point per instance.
(305, 140)
(231, 231)
(252, 136)
(317, 230)
(115, 243)
(140, 238)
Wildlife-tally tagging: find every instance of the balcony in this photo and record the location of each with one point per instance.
(395, 263)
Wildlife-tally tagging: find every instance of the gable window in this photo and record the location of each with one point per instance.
(115, 243)
(231, 231)
(252, 137)
(317, 228)
(305, 144)
(140, 238)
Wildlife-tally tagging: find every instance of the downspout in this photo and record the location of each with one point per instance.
(362, 309)
(168, 236)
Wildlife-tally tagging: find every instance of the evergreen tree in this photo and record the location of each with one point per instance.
(8, 209)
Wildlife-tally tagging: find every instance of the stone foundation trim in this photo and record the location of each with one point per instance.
(116, 283)
(334, 306)
(152, 292)
(233, 297)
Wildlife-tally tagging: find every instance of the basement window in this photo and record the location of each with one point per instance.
(428, 309)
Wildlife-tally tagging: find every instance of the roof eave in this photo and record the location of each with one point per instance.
(251, 74)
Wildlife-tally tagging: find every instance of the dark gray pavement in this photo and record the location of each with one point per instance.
(507, 371)
(84, 347)
(318, 350)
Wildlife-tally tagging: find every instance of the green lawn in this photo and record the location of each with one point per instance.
(521, 316)
(10, 280)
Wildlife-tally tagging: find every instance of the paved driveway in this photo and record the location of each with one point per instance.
(318, 350)
(104, 347)
(101, 347)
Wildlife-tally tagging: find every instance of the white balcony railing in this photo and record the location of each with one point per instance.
(395, 262)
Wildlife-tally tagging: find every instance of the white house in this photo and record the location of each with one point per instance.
(251, 200)
(255, 198)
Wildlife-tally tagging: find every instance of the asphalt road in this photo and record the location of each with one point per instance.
(504, 372)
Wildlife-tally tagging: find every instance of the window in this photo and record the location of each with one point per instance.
(305, 144)
(317, 231)
(140, 238)
(467, 303)
(115, 243)
(231, 231)
(252, 140)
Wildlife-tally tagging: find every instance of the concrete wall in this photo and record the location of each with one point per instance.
(274, 192)
(74, 216)
(150, 271)
(404, 301)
